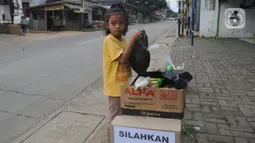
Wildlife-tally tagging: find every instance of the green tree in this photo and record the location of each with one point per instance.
(148, 7)
(170, 12)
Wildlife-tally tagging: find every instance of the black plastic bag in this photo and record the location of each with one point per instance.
(152, 74)
(178, 79)
(140, 56)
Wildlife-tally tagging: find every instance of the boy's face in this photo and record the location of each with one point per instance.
(116, 24)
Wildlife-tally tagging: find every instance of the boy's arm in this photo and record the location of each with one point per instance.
(126, 53)
(123, 58)
(118, 54)
(112, 50)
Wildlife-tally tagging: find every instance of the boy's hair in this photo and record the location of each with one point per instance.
(116, 8)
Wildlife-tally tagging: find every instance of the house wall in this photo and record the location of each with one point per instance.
(39, 25)
(72, 21)
(18, 12)
(90, 16)
(17, 18)
(246, 32)
(71, 25)
(4, 9)
(34, 2)
(208, 18)
(197, 15)
(108, 2)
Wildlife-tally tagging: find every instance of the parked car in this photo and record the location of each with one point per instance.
(99, 23)
(171, 19)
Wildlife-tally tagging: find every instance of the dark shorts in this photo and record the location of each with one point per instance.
(23, 26)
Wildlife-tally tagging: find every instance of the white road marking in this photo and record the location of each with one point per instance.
(4, 42)
(91, 40)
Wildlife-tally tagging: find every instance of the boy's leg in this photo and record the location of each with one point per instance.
(114, 110)
(23, 29)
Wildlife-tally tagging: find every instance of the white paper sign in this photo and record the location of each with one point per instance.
(133, 135)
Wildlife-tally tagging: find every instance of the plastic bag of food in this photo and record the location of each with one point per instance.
(142, 82)
(178, 79)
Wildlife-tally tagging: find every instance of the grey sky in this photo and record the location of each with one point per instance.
(173, 5)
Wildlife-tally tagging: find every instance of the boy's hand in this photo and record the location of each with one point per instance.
(137, 36)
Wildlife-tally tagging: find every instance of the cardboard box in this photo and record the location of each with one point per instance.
(153, 102)
(133, 129)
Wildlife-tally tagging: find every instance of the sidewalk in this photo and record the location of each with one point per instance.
(221, 97)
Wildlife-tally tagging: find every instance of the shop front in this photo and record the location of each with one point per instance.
(58, 16)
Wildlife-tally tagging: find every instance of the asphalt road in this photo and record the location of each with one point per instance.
(37, 78)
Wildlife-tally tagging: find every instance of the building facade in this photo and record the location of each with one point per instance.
(212, 20)
(65, 15)
(109, 2)
(5, 13)
(210, 17)
(6, 9)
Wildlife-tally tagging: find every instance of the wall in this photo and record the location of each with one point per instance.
(38, 2)
(246, 32)
(35, 2)
(17, 18)
(39, 25)
(108, 2)
(90, 16)
(4, 9)
(18, 13)
(208, 18)
(197, 15)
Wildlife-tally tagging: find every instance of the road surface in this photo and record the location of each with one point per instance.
(39, 77)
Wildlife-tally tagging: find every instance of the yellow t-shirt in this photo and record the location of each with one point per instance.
(115, 74)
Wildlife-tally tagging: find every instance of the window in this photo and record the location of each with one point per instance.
(38, 15)
(25, 6)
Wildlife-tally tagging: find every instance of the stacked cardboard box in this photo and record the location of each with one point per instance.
(149, 115)
(152, 102)
(135, 129)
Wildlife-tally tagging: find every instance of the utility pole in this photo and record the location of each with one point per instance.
(192, 22)
(179, 19)
(183, 20)
(82, 14)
